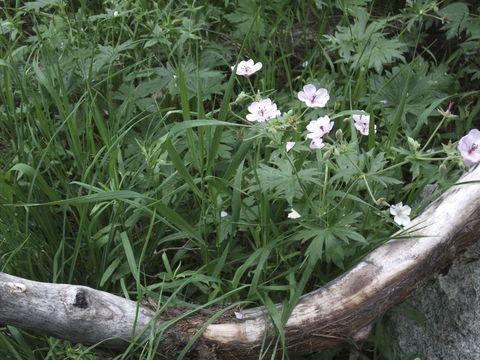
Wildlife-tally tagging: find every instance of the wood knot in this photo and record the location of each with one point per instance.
(80, 300)
(16, 287)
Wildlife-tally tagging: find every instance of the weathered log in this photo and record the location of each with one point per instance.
(76, 313)
(341, 311)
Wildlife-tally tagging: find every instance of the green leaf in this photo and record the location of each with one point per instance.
(455, 17)
(283, 181)
(362, 45)
(34, 175)
(127, 248)
(180, 167)
(178, 128)
(39, 4)
(109, 271)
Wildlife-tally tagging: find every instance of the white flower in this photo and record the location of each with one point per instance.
(290, 145)
(469, 147)
(238, 315)
(317, 143)
(318, 128)
(262, 110)
(247, 68)
(115, 13)
(401, 214)
(313, 97)
(223, 213)
(293, 214)
(362, 123)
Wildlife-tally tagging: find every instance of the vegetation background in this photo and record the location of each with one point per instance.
(127, 164)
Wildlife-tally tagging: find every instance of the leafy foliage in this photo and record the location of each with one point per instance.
(366, 45)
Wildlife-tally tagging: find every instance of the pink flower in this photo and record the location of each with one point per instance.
(247, 68)
(313, 97)
(317, 143)
(262, 110)
(362, 123)
(469, 147)
(318, 128)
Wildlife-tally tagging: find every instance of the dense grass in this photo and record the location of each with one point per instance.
(123, 138)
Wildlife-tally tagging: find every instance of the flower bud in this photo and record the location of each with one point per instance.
(382, 202)
(414, 144)
(241, 96)
(447, 113)
(327, 154)
(442, 169)
(339, 134)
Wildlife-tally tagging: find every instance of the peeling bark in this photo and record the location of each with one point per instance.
(341, 311)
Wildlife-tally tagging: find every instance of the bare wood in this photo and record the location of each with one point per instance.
(342, 311)
(76, 313)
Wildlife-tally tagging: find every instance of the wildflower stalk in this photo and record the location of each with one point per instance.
(433, 133)
(368, 188)
(251, 85)
(325, 180)
(392, 167)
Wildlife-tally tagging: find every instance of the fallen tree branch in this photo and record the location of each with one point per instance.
(76, 313)
(342, 311)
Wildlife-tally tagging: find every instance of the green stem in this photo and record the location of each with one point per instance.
(434, 132)
(251, 85)
(368, 189)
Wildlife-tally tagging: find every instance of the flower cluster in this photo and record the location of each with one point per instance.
(261, 110)
(316, 129)
(265, 109)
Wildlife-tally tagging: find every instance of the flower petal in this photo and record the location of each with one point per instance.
(316, 143)
(293, 214)
(302, 96)
(289, 145)
(257, 66)
(406, 210)
(309, 89)
(402, 220)
(238, 315)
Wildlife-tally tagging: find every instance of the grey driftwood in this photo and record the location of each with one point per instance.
(341, 311)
